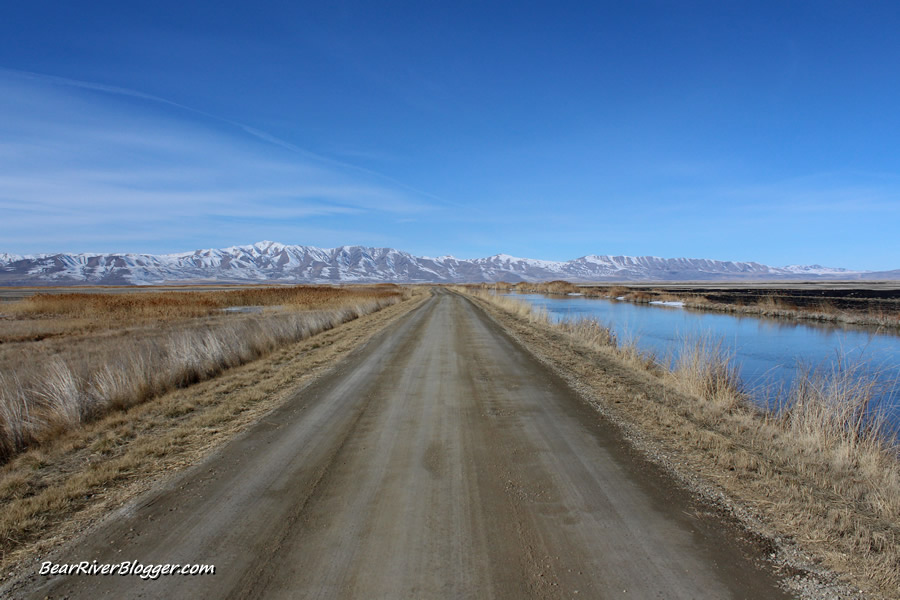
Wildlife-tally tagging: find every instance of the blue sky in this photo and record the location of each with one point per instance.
(765, 131)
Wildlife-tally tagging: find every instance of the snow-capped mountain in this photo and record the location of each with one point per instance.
(274, 262)
(815, 270)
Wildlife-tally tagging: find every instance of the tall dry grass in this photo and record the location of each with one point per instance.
(43, 394)
(780, 308)
(590, 332)
(549, 287)
(187, 304)
(705, 368)
(519, 308)
(843, 414)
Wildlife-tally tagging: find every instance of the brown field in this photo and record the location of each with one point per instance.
(67, 358)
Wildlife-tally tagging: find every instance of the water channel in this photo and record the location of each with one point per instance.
(768, 352)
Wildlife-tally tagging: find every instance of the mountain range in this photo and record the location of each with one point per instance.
(273, 262)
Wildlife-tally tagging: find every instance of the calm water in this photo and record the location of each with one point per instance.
(769, 352)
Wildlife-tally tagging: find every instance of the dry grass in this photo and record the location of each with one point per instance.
(550, 287)
(186, 304)
(149, 344)
(833, 415)
(518, 307)
(781, 308)
(615, 291)
(706, 369)
(823, 471)
(590, 332)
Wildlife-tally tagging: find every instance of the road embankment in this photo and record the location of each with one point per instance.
(828, 514)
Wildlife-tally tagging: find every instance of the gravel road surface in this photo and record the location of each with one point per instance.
(440, 460)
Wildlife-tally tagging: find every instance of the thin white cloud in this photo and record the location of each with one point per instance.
(76, 167)
(120, 91)
(252, 131)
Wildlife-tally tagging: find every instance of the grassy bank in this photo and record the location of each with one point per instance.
(111, 352)
(817, 477)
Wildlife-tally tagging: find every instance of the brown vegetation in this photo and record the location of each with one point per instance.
(784, 308)
(109, 352)
(187, 304)
(820, 470)
(551, 287)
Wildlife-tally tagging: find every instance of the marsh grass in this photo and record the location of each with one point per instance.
(590, 332)
(842, 413)
(551, 287)
(782, 308)
(51, 386)
(186, 304)
(705, 368)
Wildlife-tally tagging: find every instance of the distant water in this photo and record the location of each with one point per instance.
(768, 352)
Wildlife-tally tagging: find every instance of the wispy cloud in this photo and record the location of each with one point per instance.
(77, 165)
(120, 91)
(247, 129)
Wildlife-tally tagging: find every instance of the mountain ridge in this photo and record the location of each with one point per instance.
(275, 262)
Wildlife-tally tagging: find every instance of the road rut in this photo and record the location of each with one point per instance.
(440, 460)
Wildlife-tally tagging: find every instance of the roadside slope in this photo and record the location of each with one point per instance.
(440, 461)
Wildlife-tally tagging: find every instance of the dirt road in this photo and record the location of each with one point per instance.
(441, 460)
